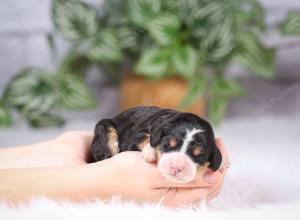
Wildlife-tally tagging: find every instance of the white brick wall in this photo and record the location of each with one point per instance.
(280, 3)
(19, 16)
(24, 25)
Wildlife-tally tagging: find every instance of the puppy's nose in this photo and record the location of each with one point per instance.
(178, 168)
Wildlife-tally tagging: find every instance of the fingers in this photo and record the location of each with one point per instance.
(222, 171)
(204, 180)
(213, 194)
(83, 138)
(176, 197)
(212, 177)
(86, 135)
(185, 196)
(225, 161)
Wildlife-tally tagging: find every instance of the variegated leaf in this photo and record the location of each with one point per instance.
(250, 14)
(105, 47)
(164, 29)
(153, 63)
(129, 39)
(218, 43)
(74, 19)
(5, 117)
(43, 120)
(253, 56)
(141, 12)
(186, 61)
(196, 89)
(33, 90)
(73, 93)
(217, 109)
(291, 25)
(74, 63)
(226, 87)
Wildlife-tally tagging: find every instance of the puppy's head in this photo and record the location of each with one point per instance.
(185, 146)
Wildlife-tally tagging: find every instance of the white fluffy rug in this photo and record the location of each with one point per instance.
(262, 183)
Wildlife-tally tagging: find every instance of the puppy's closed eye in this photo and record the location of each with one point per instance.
(173, 142)
(197, 151)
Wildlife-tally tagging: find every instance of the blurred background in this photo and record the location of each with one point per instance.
(54, 38)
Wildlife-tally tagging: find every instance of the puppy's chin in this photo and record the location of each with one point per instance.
(169, 160)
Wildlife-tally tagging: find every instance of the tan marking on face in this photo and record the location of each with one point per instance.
(202, 169)
(113, 143)
(158, 153)
(144, 142)
(197, 151)
(173, 142)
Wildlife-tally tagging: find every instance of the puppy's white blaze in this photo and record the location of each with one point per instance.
(188, 138)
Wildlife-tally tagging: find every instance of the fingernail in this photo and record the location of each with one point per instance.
(210, 178)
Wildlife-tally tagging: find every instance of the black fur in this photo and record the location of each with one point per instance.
(134, 125)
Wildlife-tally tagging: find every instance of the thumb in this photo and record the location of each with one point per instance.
(207, 179)
(212, 177)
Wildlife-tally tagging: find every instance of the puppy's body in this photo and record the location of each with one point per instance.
(181, 142)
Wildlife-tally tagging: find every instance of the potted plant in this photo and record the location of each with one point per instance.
(174, 53)
(181, 50)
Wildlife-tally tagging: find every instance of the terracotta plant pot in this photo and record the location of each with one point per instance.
(165, 93)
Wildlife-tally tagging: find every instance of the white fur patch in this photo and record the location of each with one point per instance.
(148, 153)
(188, 138)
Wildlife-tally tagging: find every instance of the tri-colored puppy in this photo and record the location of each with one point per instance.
(182, 143)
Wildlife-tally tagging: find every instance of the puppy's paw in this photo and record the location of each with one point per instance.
(148, 153)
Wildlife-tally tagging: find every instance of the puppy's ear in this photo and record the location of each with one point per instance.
(156, 135)
(215, 159)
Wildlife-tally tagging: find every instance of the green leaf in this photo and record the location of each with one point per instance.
(74, 94)
(217, 44)
(74, 19)
(184, 8)
(208, 9)
(140, 12)
(186, 61)
(253, 56)
(222, 90)
(227, 88)
(153, 63)
(128, 38)
(112, 13)
(252, 14)
(105, 47)
(291, 25)
(196, 89)
(43, 120)
(5, 117)
(74, 63)
(164, 29)
(217, 110)
(32, 90)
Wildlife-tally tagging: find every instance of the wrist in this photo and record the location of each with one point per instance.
(90, 181)
(36, 155)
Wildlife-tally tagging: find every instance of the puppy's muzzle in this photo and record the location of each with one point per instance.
(177, 167)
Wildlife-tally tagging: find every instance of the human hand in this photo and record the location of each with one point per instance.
(68, 150)
(125, 174)
(72, 148)
(140, 180)
(135, 179)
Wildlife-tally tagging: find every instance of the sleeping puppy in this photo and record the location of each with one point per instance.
(182, 143)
